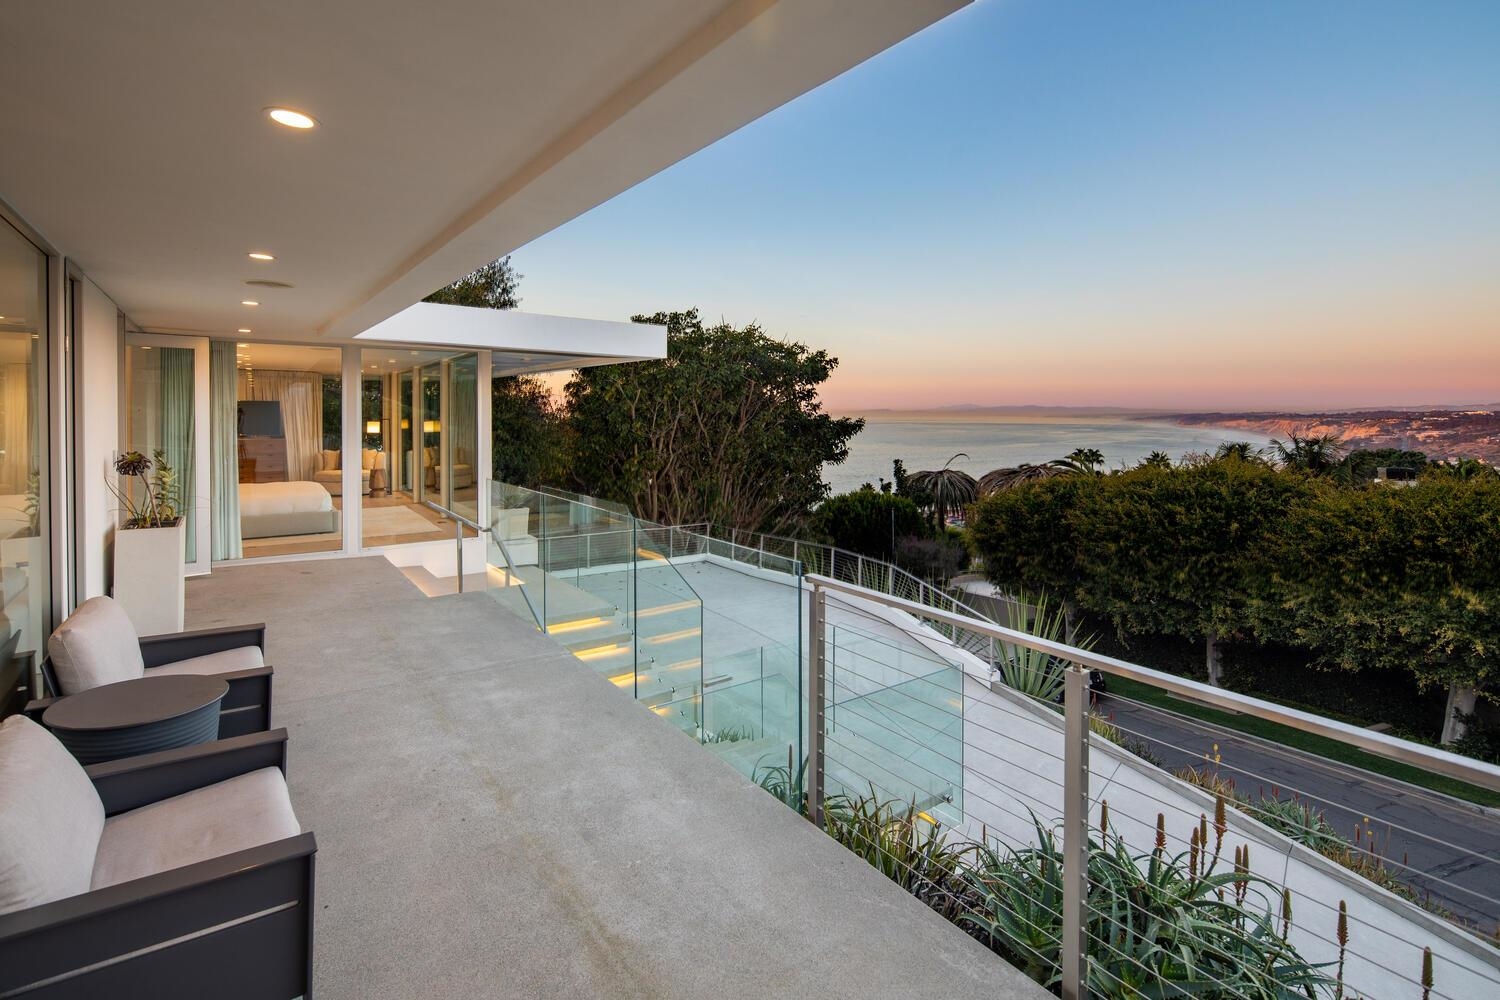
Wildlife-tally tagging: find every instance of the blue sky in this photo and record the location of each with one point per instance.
(1186, 204)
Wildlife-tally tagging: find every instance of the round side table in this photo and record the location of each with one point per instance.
(140, 716)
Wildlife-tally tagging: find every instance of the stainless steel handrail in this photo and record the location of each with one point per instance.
(459, 523)
(1453, 765)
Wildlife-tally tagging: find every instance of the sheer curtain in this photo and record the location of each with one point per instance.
(177, 431)
(301, 397)
(224, 450)
(15, 429)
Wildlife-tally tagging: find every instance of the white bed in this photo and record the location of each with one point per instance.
(295, 508)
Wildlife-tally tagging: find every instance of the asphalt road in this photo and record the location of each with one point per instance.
(1451, 849)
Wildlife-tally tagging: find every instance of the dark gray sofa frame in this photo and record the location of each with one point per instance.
(245, 709)
(237, 927)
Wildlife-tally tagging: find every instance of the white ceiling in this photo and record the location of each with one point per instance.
(452, 132)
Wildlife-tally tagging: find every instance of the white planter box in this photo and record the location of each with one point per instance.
(149, 577)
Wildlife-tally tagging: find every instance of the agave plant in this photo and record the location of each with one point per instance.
(1030, 671)
(951, 489)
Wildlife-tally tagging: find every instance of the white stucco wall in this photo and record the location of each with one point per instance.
(96, 348)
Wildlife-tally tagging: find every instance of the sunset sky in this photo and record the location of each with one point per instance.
(1160, 204)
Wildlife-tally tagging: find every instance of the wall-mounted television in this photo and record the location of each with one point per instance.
(260, 418)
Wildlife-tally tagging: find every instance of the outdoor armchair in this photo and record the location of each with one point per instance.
(176, 874)
(98, 645)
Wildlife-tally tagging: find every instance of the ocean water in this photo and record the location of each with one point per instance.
(992, 443)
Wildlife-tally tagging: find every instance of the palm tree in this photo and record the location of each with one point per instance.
(1087, 459)
(1316, 454)
(1242, 450)
(1012, 476)
(1156, 460)
(950, 489)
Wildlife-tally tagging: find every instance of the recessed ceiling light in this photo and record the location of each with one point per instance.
(243, 329)
(259, 255)
(291, 118)
(248, 302)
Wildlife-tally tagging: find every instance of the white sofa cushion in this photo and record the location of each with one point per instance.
(234, 815)
(50, 818)
(97, 645)
(240, 658)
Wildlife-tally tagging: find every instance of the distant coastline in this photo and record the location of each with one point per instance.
(1442, 431)
(1441, 434)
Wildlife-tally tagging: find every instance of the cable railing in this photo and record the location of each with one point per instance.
(1106, 846)
(1068, 851)
(861, 570)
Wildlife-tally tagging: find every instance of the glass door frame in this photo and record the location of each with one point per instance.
(202, 563)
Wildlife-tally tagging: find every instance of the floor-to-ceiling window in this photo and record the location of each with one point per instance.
(289, 482)
(420, 422)
(25, 564)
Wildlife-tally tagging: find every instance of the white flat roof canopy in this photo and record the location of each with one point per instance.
(450, 133)
(520, 342)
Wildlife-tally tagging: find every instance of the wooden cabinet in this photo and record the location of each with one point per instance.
(262, 460)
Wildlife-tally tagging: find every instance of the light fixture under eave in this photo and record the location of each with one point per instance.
(243, 329)
(291, 118)
(260, 255)
(248, 302)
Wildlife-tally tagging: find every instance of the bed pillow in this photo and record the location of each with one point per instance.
(330, 461)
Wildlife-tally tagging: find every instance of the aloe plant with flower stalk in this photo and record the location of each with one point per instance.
(159, 503)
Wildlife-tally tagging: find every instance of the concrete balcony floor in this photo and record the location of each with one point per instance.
(495, 819)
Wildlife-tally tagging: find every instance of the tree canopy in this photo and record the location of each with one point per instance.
(727, 428)
(868, 522)
(1363, 577)
(496, 285)
(530, 433)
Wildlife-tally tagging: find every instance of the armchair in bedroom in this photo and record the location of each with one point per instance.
(463, 469)
(331, 474)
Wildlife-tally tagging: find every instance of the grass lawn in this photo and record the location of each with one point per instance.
(1295, 738)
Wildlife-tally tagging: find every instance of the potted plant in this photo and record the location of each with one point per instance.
(150, 544)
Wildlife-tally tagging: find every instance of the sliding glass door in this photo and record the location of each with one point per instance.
(25, 560)
(167, 393)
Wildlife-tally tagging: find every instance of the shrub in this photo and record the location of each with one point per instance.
(868, 522)
(1158, 925)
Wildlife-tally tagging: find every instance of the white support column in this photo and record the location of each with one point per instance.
(484, 463)
(445, 426)
(352, 449)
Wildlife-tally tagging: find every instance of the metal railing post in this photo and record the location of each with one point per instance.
(458, 536)
(816, 620)
(1075, 831)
